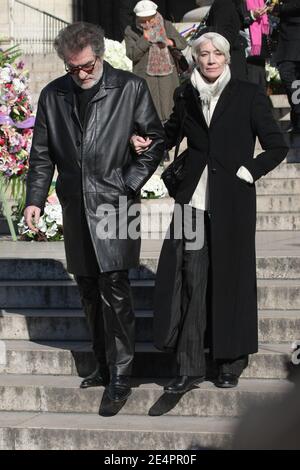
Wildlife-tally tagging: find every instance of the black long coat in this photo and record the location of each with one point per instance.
(94, 164)
(242, 113)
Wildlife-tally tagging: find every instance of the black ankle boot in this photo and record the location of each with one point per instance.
(183, 384)
(119, 388)
(98, 378)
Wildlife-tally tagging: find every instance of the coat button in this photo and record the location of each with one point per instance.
(214, 170)
(78, 143)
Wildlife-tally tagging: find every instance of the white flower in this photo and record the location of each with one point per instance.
(18, 85)
(53, 213)
(115, 55)
(49, 224)
(42, 226)
(5, 74)
(52, 231)
(154, 186)
(272, 73)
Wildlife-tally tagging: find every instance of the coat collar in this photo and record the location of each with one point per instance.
(221, 106)
(111, 79)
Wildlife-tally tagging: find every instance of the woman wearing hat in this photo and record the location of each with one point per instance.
(221, 118)
(148, 41)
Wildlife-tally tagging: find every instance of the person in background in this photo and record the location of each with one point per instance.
(288, 53)
(224, 18)
(255, 20)
(148, 42)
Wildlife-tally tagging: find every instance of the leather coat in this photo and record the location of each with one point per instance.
(95, 164)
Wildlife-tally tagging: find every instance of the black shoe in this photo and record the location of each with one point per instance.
(227, 380)
(98, 378)
(183, 384)
(119, 388)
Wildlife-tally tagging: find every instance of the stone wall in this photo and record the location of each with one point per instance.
(60, 8)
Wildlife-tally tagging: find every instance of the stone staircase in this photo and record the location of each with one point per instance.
(48, 349)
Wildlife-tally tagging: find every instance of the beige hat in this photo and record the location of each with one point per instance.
(145, 8)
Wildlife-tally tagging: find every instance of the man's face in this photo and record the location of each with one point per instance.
(90, 67)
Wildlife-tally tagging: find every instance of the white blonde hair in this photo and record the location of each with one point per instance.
(217, 40)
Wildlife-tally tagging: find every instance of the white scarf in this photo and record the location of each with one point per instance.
(209, 91)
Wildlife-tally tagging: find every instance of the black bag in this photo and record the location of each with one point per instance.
(174, 174)
(180, 61)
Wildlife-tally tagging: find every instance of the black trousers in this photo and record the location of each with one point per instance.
(190, 352)
(107, 304)
(190, 346)
(289, 72)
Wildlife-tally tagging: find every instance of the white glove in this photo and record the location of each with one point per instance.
(245, 175)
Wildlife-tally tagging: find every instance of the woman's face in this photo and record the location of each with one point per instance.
(146, 21)
(211, 61)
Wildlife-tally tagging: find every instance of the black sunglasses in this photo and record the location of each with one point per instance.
(87, 68)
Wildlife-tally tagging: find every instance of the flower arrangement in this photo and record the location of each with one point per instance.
(115, 55)
(50, 224)
(273, 79)
(16, 129)
(16, 119)
(154, 188)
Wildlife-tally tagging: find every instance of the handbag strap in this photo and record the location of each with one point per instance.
(180, 134)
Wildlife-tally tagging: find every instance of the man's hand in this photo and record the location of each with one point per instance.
(140, 144)
(32, 216)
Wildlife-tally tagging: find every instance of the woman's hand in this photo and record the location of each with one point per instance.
(140, 144)
(259, 12)
(170, 43)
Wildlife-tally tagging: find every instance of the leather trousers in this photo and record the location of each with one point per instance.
(107, 304)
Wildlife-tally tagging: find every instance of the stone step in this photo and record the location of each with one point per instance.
(278, 203)
(77, 431)
(287, 187)
(50, 394)
(76, 358)
(279, 101)
(285, 170)
(272, 294)
(70, 325)
(278, 221)
(285, 267)
(278, 267)
(282, 114)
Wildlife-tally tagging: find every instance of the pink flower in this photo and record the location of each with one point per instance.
(53, 199)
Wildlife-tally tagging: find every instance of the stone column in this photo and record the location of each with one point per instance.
(199, 13)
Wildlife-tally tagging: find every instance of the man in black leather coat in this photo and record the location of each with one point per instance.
(83, 127)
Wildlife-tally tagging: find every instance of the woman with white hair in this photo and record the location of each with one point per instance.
(221, 118)
(149, 41)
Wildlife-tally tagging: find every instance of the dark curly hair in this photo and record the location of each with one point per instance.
(77, 36)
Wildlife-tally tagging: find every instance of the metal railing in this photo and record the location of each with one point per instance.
(33, 29)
